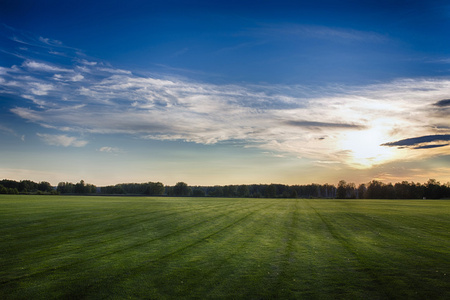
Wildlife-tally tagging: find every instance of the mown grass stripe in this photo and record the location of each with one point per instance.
(123, 249)
(147, 263)
(354, 252)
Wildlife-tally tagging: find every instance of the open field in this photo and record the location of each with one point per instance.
(137, 247)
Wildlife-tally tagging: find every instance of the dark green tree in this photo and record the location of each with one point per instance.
(45, 186)
(3, 190)
(341, 189)
(271, 191)
(243, 191)
(198, 192)
(375, 190)
(79, 187)
(155, 188)
(181, 189)
(362, 190)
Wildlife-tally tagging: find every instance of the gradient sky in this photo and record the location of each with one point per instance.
(224, 92)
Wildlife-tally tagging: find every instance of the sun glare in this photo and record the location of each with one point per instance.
(365, 148)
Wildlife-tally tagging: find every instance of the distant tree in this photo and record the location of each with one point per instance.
(198, 192)
(45, 186)
(79, 187)
(293, 194)
(403, 190)
(375, 190)
(13, 191)
(155, 188)
(117, 189)
(90, 189)
(229, 191)
(27, 186)
(341, 189)
(346, 190)
(433, 189)
(61, 187)
(169, 191)
(243, 191)
(350, 190)
(271, 191)
(389, 191)
(181, 189)
(10, 184)
(65, 188)
(215, 191)
(3, 190)
(362, 190)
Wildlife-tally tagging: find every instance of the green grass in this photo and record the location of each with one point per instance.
(172, 248)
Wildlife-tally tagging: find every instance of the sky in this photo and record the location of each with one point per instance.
(224, 92)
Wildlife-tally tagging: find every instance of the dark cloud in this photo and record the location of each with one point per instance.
(442, 103)
(324, 125)
(421, 142)
(431, 146)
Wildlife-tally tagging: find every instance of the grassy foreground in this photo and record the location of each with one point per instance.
(161, 248)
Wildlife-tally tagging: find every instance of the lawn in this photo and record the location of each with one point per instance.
(172, 248)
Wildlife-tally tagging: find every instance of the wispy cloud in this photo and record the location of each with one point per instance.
(43, 67)
(316, 32)
(62, 140)
(7, 130)
(341, 124)
(107, 149)
(50, 42)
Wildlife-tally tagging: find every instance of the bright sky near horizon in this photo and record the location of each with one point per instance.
(224, 92)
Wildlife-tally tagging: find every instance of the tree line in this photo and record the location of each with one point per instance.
(77, 188)
(255, 191)
(401, 190)
(372, 190)
(25, 187)
(149, 188)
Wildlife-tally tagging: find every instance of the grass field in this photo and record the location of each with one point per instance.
(161, 248)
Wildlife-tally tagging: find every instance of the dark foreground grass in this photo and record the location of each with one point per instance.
(172, 248)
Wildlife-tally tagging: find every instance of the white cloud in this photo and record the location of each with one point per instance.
(40, 103)
(114, 71)
(43, 67)
(62, 140)
(110, 149)
(7, 130)
(89, 63)
(28, 114)
(49, 42)
(70, 77)
(40, 89)
(77, 77)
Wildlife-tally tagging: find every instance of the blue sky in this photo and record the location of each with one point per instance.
(225, 92)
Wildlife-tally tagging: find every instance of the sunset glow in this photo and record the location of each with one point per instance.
(365, 148)
(223, 93)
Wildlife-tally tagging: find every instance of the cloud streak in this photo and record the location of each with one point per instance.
(107, 149)
(62, 140)
(442, 103)
(422, 142)
(316, 32)
(312, 124)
